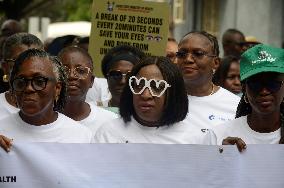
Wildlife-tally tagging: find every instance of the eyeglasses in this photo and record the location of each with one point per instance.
(271, 85)
(196, 55)
(156, 87)
(38, 83)
(79, 72)
(117, 75)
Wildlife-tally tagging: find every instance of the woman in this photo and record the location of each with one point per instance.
(39, 84)
(259, 116)
(13, 46)
(79, 66)
(198, 58)
(152, 108)
(228, 75)
(116, 65)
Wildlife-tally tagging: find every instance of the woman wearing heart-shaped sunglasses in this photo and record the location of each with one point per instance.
(153, 106)
(260, 114)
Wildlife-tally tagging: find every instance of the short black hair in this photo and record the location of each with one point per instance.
(70, 49)
(226, 38)
(176, 105)
(83, 40)
(210, 37)
(18, 39)
(57, 68)
(221, 73)
(122, 50)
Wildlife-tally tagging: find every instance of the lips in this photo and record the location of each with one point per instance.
(264, 102)
(236, 90)
(28, 99)
(188, 69)
(72, 86)
(146, 107)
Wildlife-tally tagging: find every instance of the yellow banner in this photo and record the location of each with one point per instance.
(141, 24)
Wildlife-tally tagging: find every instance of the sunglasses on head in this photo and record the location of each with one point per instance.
(117, 75)
(271, 85)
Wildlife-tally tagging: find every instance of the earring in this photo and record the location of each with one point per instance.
(5, 78)
(55, 100)
(246, 99)
(213, 71)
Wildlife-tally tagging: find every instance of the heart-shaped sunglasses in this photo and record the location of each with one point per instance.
(156, 87)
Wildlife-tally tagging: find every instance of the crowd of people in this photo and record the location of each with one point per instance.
(190, 96)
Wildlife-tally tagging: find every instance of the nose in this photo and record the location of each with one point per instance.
(29, 86)
(123, 79)
(71, 74)
(237, 81)
(189, 57)
(146, 94)
(264, 91)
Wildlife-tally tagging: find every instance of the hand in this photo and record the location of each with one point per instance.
(235, 140)
(5, 143)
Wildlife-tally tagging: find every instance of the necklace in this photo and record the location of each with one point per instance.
(212, 91)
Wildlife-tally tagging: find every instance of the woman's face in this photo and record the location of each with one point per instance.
(232, 81)
(147, 107)
(117, 77)
(80, 77)
(265, 92)
(33, 96)
(196, 59)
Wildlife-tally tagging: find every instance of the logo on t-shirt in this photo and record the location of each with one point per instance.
(217, 118)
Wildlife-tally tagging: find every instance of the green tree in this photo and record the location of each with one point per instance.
(79, 10)
(56, 10)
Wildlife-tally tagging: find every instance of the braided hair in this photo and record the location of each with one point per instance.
(244, 108)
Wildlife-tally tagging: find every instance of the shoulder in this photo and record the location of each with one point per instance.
(111, 131)
(229, 128)
(227, 95)
(197, 135)
(10, 121)
(69, 124)
(102, 113)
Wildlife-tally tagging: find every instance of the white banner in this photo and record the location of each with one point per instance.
(35, 165)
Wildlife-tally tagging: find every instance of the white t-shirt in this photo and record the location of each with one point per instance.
(240, 128)
(97, 117)
(63, 130)
(116, 131)
(207, 111)
(5, 108)
(99, 92)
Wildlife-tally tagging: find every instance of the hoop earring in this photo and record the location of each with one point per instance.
(5, 78)
(246, 99)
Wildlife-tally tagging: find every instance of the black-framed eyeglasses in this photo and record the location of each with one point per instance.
(271, 85)
(78, 72)
(196, 55)
(38, 83)
(117, 75)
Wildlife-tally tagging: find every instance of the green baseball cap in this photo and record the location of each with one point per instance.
(261, 58)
